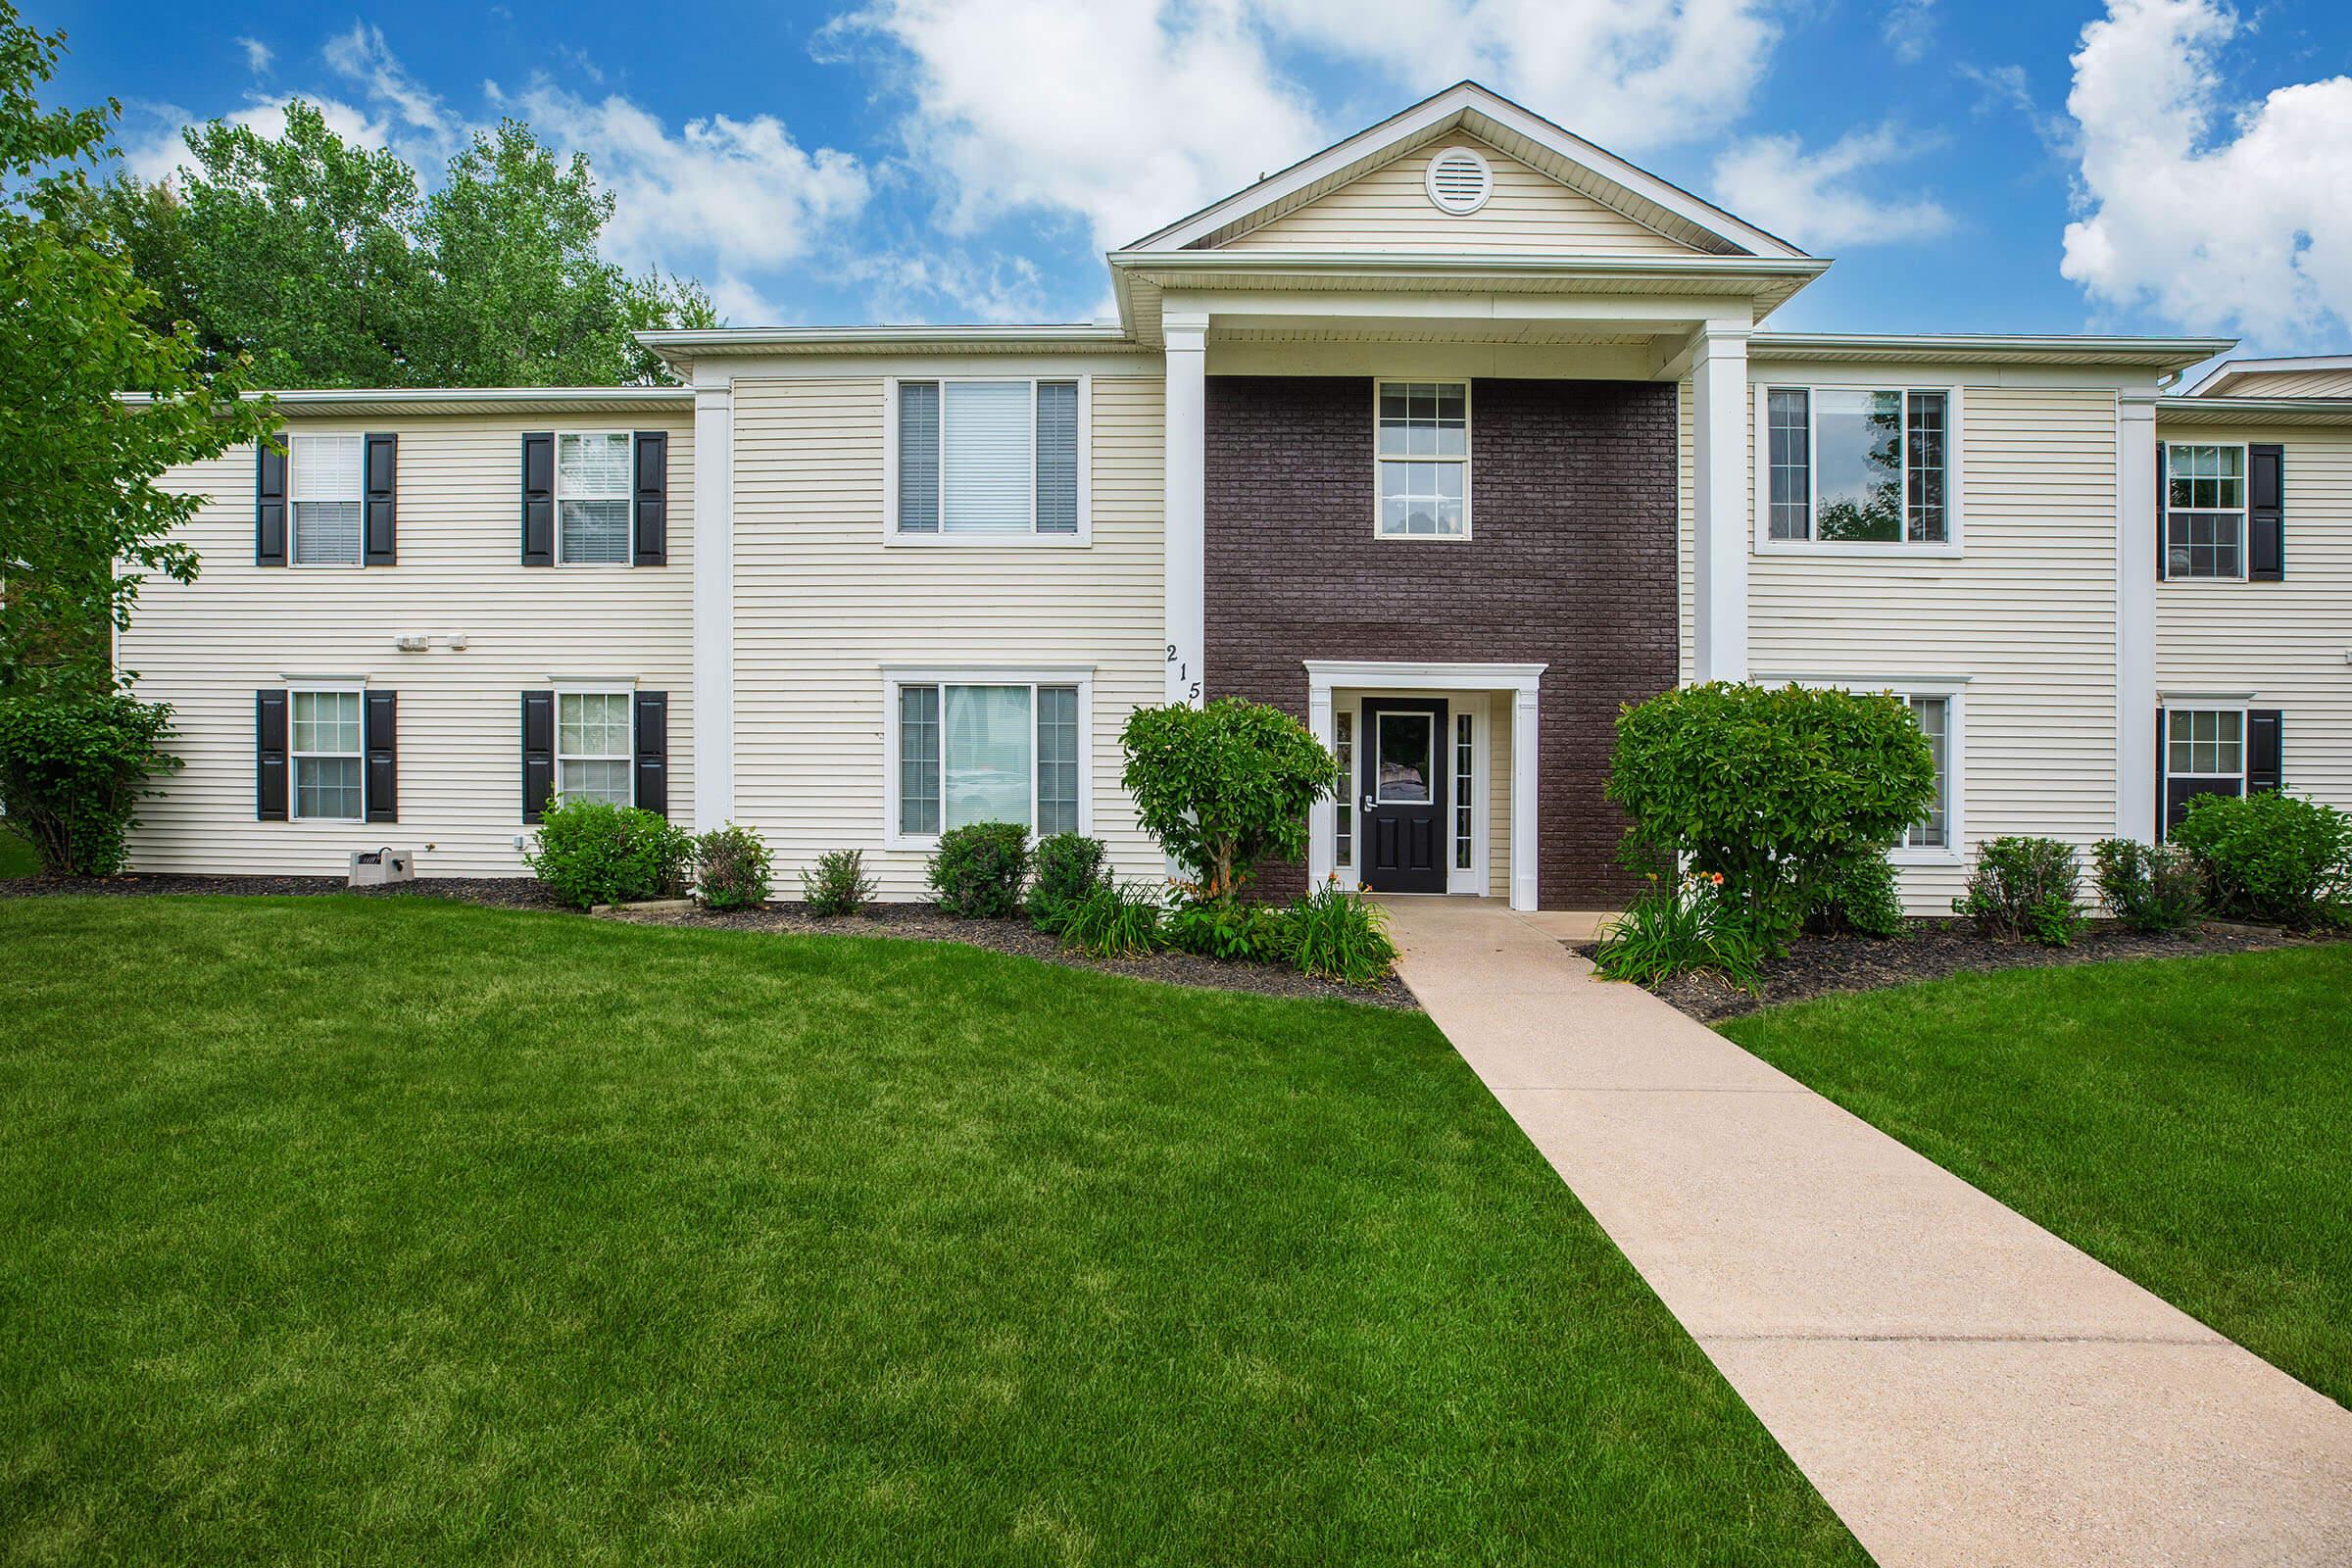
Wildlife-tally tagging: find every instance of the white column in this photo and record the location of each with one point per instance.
(2135, 619)
(1525, 801)
(714, 605)
(1322, 817)
(1721, 494)
(1186, 527)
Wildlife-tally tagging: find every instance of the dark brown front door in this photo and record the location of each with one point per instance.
(1403, 795)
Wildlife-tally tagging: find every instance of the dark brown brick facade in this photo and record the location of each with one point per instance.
(1571, 563)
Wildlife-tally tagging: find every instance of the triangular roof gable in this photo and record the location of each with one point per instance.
(1468, 109)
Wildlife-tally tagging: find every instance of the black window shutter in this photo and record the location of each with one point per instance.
(270, 757)
(381, 474)
(269, 506)
(2265, 750)
(538, 501)
(650, 497)
(382, 776)
(2162, 765)
(653, 752)
(2163, 544)
(2266, 513)
(538, 753)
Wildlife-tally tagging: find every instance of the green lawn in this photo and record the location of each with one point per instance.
(389, 1231)
(2187, 1121)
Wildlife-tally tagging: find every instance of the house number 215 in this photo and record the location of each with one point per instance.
(1190, 687)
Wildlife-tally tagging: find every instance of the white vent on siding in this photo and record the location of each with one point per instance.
(1459, 182)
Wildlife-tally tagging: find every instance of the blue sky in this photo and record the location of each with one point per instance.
(960, 160)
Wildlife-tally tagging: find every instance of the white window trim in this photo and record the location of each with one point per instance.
(294, 758)
(1032, 540)
(2244, 511)
(1902, 550)
(295, 441)
(1469, 429)
(2196, 705)
(628, 495)
(627, 693)
(896, 676)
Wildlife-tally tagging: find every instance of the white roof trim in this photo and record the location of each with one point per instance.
(2072, 348)
(2304, 362)
(1434, 115)
(2252, 410)
(699, 343)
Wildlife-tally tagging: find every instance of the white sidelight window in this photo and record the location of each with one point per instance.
(1343, 747)
(976, 461)
(2204, 510)
(988, 750)
(1858, 465)
(592, 499)
(1933, 831)
(595, 752)
(1423, 443)
(329, 770)
(323, 485)
(1465, 789)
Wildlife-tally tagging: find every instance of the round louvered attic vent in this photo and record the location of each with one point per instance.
(1459, 182)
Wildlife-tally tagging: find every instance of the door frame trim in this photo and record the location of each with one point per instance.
(1409, 677)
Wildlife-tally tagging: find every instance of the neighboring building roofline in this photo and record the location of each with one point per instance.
(470, 399)
(2162, 354)
(679, 348)
(2209, 410)
(2211, 380)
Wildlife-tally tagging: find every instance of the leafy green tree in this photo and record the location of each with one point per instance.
(1226, 787)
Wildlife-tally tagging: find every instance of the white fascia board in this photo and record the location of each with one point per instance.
(700, 342)
(469, 399)
(1985, 347)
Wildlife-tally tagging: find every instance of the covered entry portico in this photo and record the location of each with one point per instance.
(1435, 751)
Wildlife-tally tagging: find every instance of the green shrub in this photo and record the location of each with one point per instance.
(2024, 887)
(73, 765)
(2149, 887)
(731, 867)
(593, 851)
(1115, 920)
(1241, 933)
(1336, 934)
(978, 869)
(1775, 789)
(1683, 926)
(1069, 867)
(2272, 856)
(837, 884)
(1859, 897)
(1225, 788)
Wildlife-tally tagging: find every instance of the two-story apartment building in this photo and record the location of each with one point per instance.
(1451, 439)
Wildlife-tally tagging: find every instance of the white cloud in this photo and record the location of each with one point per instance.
(429, 132)
(1909, 27)
(1812, 198)
(2219, 216)
(154, 153)
(257, 55)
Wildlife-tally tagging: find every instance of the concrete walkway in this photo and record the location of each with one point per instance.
(1963, 1387)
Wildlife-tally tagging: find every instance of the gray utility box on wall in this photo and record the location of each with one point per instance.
(373, 868)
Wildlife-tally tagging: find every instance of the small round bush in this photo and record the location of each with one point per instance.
(2024, 887)
(72, 766)
(592, 852)
(731, 868)
(978, 869)
(1069, 867)
(2154, 888)
(1859, 897)
(837, 884)
(2272, 856)
(1226, 787)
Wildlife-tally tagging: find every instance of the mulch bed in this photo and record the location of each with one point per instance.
(915, 921)
(1820, 966)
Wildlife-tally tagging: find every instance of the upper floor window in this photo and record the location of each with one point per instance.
(323, 485)
(1858, 464)
(592, 499)
(2205, 511)
(1424, 458)
(988, 458)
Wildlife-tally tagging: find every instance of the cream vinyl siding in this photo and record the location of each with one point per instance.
(1388, 208)
(2289, 384)
(822, 605)
(2026, 614)
(208, 647)
(1497, 718)
(2286, 643)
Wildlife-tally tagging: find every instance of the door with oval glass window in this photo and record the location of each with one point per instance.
(1401, 838)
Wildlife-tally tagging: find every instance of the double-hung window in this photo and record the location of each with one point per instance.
(981, 459)
(1868, 466)
(2205, 511)
(2204, 753)
(595, 755)
(1424, 460)
(329, 768)
(323, 482)
(592, 499)
(993, 750)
